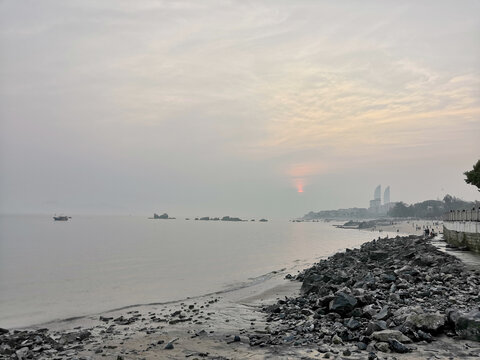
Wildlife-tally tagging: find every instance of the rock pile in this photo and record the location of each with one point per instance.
(47, 344)
(383, 297)
(30, 344)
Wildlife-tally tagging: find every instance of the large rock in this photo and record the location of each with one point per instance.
(386, 335)
(426, 322)
(383, 314)
(342, 303)
(74, 337)
(397, 346)
(374, 326)
(467, 325)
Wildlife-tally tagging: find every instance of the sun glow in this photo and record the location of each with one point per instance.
(301, 173)
(299, 185)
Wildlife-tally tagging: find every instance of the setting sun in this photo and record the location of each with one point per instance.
(299, 185)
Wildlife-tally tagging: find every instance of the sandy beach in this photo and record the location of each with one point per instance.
(412, 227)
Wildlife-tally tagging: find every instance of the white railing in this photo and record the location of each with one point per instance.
(463, 215)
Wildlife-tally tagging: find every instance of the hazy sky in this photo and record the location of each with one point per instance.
(232, 107)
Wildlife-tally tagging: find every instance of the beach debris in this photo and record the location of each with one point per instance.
(169, 345)
(200, 354)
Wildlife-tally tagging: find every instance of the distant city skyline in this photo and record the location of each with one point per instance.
(377, 194)
(386, 195)
(377, 205)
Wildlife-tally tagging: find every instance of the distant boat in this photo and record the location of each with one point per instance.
(61, 218)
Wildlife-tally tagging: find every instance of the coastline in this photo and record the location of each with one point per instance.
(203, 325)
(213, 326)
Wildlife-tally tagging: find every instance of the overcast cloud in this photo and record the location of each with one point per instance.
(231, 107)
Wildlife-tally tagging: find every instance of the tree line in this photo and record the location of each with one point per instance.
(430, 209)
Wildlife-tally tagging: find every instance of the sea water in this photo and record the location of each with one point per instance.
(54, 270)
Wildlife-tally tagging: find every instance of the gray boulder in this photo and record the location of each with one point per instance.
(374, 326)
(386, 335)
(397, 346)
(426, 322)
(382, 314)
(382, 346)
(353, 324)
(342, 303)
(467, 325)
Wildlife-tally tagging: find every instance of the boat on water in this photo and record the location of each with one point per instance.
(61, 218)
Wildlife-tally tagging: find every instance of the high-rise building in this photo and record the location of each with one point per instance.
(386, 195)
(377, 195)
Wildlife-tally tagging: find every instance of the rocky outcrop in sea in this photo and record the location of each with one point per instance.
(383, 297)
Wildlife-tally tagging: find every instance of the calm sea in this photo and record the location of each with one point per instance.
(54, 270)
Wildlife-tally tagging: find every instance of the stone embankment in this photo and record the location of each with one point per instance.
(384, 297)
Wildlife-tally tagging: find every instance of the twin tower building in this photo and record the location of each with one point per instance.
(376, 206)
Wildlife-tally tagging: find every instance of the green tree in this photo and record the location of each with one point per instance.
(448, 199)
(401, 210)
(473, 176)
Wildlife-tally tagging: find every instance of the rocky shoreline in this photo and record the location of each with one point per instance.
(389, 299)
(383, 297)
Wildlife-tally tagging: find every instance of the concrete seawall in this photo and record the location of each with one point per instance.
(463, 234)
